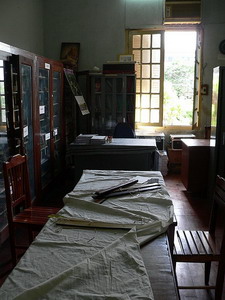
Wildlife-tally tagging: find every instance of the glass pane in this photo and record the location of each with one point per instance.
(146, 40)
(146, 56)
(26, 86)
(156, 40)
(145, 115)
(155, 115)
(155, 101)
(138, 100)
(109, 85)
(145, 101)
(155, 71)
(155, 56)
(1, 74)
(1, 63)
(145, 86)
(2, 88)
(138, 70)
(136, 41)
(2, 101)
(3, 116)
(137, 115)
(155, 88)
(137, 56)
(45, 135)
(138, 84)
(145, 71)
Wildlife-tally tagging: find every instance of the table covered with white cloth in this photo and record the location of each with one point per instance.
(98, 262)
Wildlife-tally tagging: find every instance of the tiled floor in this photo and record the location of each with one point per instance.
(192, 212)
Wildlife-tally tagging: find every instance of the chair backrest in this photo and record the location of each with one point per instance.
(218, 208)
(17, 187)
(123, 130)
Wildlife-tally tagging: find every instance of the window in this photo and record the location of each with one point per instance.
(167, 77)
(147, 49)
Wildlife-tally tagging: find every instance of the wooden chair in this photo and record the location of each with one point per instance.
(123, 130)
(205, 246)
(18, 202)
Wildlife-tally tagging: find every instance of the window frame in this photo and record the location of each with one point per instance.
(198, 71)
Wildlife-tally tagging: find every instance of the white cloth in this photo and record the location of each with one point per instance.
(86, 263)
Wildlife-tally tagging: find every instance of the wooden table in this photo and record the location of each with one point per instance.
(32, 272)
(120, 154)
(195, 163)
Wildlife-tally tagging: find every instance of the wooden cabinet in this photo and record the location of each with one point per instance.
(50, 129)
(195, 164)
(19, 80)
(111, 99)
(31, 118)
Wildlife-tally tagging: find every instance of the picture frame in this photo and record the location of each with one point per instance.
(126, 58)
(70, 55)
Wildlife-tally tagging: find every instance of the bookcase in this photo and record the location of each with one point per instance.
(50, 121)
(111, 99)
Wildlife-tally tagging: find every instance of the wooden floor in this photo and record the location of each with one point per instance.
(192, 212)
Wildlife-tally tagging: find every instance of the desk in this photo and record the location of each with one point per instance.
(120, 154)
(77, 262)
(195, 163)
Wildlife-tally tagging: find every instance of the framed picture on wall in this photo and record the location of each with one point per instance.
(70, 55)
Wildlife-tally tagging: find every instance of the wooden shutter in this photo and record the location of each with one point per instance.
(197, 82)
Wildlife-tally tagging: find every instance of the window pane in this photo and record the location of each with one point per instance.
(2, 88)
(156, 42)
(146, 40)
(136, 41)
(138, 100)
(155, 115)
(146, 56)
(138, 86)
(138, 70)
(155, 71)
(137, 115)
(145, 86)
(137, 55)
(1, 63)
(1, 74)
(155, 56)
(2, 101)
(145, 101)
(155, 101)
(145, 71)
(145, 115)
(155, 88)
(3, 116)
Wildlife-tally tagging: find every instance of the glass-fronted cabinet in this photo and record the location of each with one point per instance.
(50, 80)
(112, 101)
(4, 151)
(19, 103)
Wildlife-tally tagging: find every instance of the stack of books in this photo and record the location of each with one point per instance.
(98, 140)
(84, 138)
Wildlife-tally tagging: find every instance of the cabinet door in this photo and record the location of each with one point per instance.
(57, 119)
(51, 128)
(112, 102)
(20, 99)
(26, 79)
(4, 150)
(44, 123)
